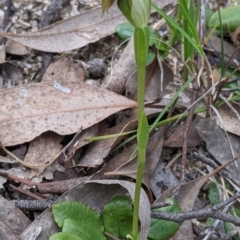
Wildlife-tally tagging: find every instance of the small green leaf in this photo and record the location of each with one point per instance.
(64, 236)
(118, 216)
(230, 18)
(162, 229)
(213, 194)
(154, 39)
(77, 211)
(143, 132)
(150, 57)
(125, 30)
(84, 230)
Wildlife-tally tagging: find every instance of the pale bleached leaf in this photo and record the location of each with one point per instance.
(72, 33)
(27, 111)
(77, 31)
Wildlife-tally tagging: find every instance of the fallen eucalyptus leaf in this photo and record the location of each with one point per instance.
(75, 32)
(71, 33)
(29, 110)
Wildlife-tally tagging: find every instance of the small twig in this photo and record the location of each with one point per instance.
(213, 212)
(204, 213)
(57, 187)
(159, 205)
(27, 193)
(33, 205)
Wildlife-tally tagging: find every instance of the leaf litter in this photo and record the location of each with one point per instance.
(58, 94)
(76, 106)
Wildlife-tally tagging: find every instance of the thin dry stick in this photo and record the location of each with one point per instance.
(27, 193)
(213, 212)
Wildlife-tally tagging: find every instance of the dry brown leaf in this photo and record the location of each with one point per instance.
(46, 147)
(176, 139)
(65, 69)
(78, 142)
(235, 36)
(42, 150)
(114, 163)
(125, 66)
(153, 83)
(220, 146)
(72, 33)
(75, 32)
(29, 110)
(95, 153)
(12, 220)
(229, 118)
(15, 48)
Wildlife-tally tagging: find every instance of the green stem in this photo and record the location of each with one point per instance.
(140, 168)
(140, 91)
(141, 154)
(141, 45)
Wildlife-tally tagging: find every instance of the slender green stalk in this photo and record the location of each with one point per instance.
(141, 154)
(141, 45)
(140, 169)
